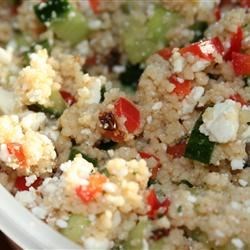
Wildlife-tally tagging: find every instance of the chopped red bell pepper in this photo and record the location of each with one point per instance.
(156, 168)
(128, 110)
(155, 205)
(17, 151)
(217, 13)
(95, 5)
(182, 87)
(20, 183)
(67, 97)
(177, 150)
(165, 53)
(92, 60)
(238, 98)
(245, 3)
(235, 43)
(89, 192)
(241, 63)
(205, 49)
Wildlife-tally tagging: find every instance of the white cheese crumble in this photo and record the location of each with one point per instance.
(7, 101)
(221, 122)
(29, 180)
(192, 198)
(237, 164)
(61, 223)
(238, 243)
(92, 243)
(192, 99)
(39, 212)
(157, 106)
(243, 183)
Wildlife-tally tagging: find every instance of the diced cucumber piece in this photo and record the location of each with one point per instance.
(56, 108)
(199, 147)
(136, 236)
(74, 151)
(157, 245)
(160, 23)
(131, 76)
(140, 39)
(52, 9)
(76, 226)
(199, 28)
(72, 28)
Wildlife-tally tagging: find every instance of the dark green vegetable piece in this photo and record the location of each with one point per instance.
(74, 151)
(199, 28)
(52, 9)
(199, 147)
(55, 110)
(103, 90)
(131, 76)
(186, 182)
(105, 144)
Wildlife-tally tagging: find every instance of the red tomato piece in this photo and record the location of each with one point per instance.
(95, 4)
(20, 183)
(241, 63)
(156, 168)
(235, 43)
(238, 98)
(155, 205)
(177, 150)
(16, 150)
(128, 110)
(205, 49)
(165, 53)
(67, 97)
(89, 193)
(182, 87)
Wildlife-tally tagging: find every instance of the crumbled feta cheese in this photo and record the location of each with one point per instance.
(4, 153)
(33, 121)
(243, 183)
(192, 198)
(7, 101)
(92, 243)
(199, 65)
(61, 223)
(149, 119)
(219, 233)
(30, 180)
(192, 99)
(25, 197)
(39, 212)
(157, 106)
(221, 122)
(109, 187)
(5, 56)
(235, 205)
(177, 61)
(119, 69)
(238, 243)
(237, 164)
(95, 24)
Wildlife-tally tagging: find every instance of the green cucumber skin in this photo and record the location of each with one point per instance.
(74, 151)
(199, 147)
(52, 9)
